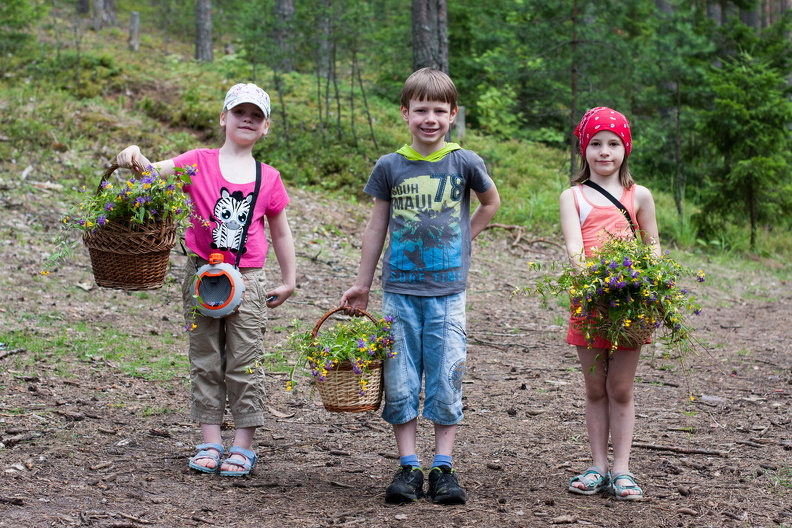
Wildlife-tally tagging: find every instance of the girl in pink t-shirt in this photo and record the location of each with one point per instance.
(587, 218)
(224, 351)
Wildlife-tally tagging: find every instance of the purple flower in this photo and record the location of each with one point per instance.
(627, 262)
(109, 206)
(101, 220)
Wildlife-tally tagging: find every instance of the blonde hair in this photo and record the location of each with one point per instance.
(625, 177)
(428, 84)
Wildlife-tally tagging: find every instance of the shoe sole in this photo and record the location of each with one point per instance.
(401, 498)
(579, 491)
(204, 469)
(448, 501)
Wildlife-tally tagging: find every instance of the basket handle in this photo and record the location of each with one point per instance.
(334, 310)
(110, 170)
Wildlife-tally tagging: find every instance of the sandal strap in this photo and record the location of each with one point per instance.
(618, 489)
(595, 469)
(623, 475)
(250, 455)
(247, 464)
(209, 445)
(589, 481)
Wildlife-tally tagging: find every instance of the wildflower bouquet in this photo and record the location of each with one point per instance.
(138, 200)
(345, 360)
(624, 292)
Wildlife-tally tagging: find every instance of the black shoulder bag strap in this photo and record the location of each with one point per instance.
(615, 202)
(250, 216)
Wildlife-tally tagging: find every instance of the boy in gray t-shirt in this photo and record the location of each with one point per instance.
(422, 199)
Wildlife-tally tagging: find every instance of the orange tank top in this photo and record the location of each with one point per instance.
(597, 222)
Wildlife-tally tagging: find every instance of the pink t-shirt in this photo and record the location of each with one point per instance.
(222, 208)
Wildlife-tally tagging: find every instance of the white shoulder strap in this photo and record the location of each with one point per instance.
(584, 207)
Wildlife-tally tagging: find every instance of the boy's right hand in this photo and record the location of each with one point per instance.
(354, 300)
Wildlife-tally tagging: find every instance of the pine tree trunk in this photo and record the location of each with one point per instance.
(430, 34)
(203, 30)
(282, 35)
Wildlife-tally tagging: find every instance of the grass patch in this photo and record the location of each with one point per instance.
(68, 348)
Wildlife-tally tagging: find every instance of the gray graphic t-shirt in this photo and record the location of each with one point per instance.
(428, 252)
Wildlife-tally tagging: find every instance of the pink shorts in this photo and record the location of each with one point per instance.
(576, 337)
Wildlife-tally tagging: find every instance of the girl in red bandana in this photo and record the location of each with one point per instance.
(587, 217)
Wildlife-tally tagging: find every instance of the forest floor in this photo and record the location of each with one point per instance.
(86, 444)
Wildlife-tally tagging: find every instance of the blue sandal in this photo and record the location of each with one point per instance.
(618, 491)
(246, 465)
(594, 480)
(203, 452)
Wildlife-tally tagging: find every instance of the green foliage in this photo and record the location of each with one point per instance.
(748, 126)
(79, 96)
(16, 17)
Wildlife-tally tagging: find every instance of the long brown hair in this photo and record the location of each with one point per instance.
(625, 177)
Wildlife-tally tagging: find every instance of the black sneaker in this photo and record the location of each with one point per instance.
(444, 488)
(407, 486)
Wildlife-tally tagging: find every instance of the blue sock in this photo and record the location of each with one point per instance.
(409, 460)
(441, 460)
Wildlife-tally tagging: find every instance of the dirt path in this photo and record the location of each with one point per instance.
(101, 448)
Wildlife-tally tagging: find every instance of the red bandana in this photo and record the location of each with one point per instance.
(599, 119)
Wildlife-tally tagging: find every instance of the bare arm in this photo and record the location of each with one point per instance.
(357, 297)
(283, 244)
(489, 203)
(645, 216)
(570, 227)
(132, 158)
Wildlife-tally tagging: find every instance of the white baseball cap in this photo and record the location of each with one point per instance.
(247, 93)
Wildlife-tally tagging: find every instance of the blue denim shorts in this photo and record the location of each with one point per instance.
(430, 341)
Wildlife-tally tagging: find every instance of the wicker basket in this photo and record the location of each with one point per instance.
(635, 335)
(130, 256)
(340, 391)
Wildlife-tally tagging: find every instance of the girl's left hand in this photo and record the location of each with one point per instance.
(277, 296)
